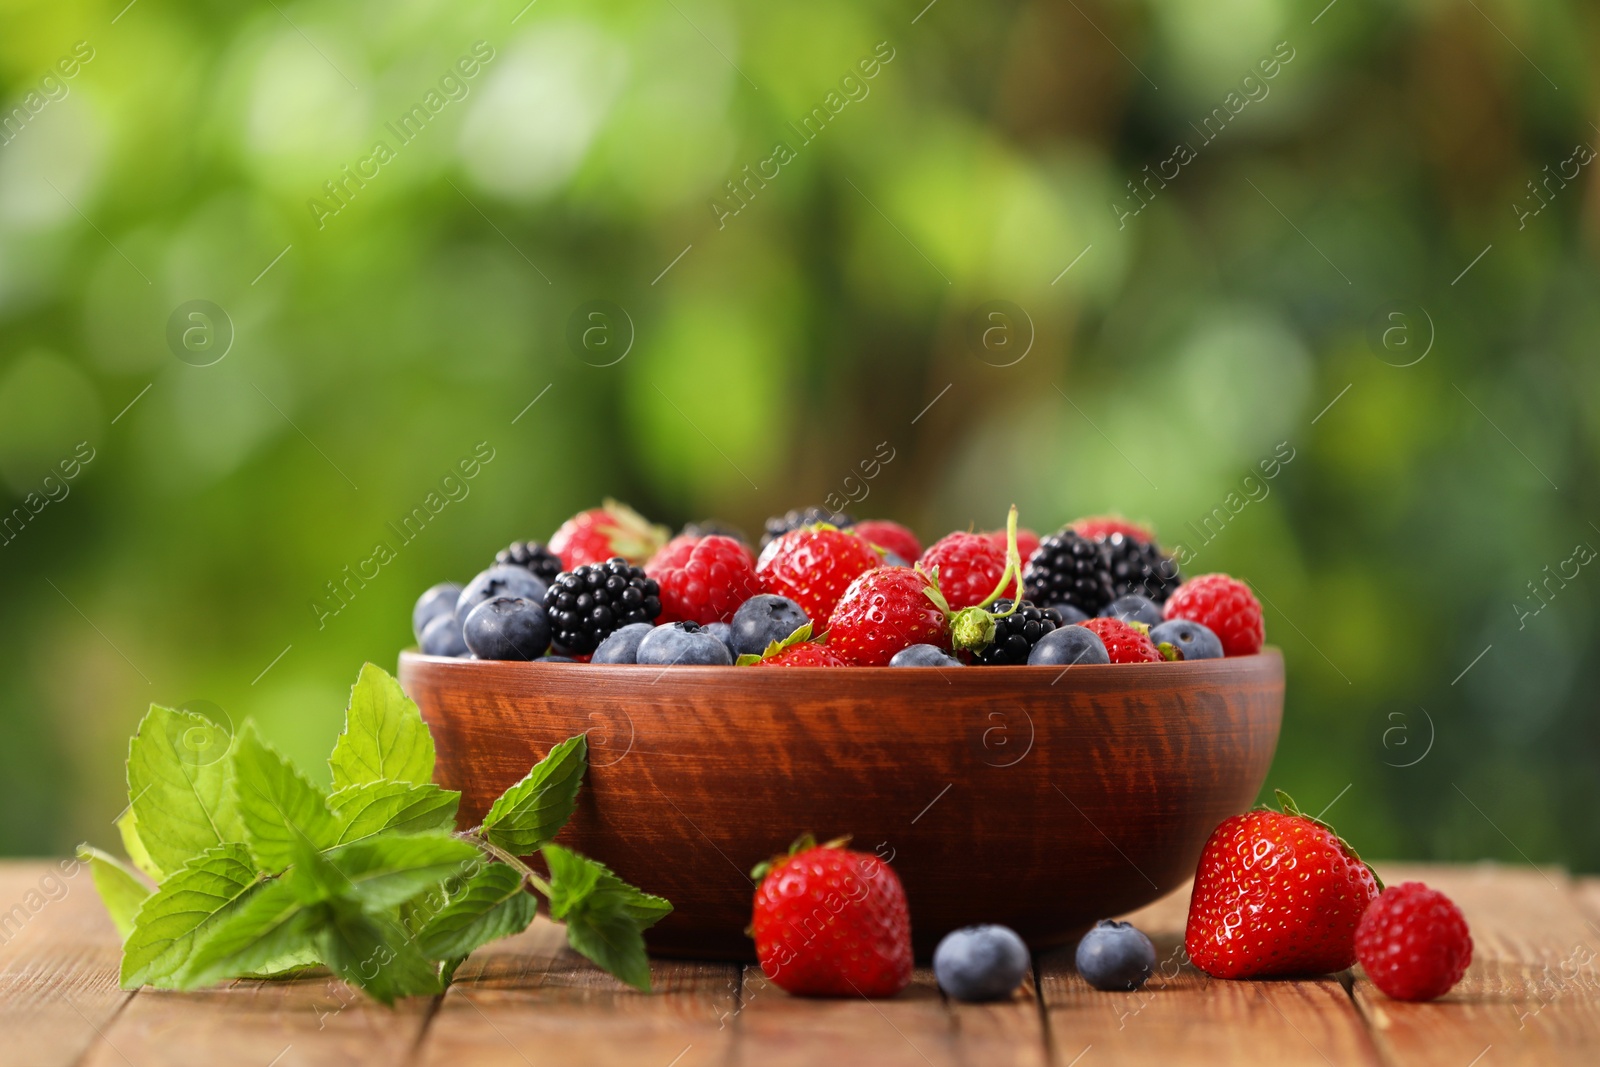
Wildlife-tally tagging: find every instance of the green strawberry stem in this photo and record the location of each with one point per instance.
(1286, 802)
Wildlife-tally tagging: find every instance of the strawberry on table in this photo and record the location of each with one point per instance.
(813, 565)
(1225, 606)
(703, 579)
(596, 535)
(892, 536)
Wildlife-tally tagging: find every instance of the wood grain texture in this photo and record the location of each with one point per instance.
(1025, 795)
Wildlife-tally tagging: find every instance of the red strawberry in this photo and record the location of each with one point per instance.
(596, 535)
(970, 566)
(1100, 527)
(829, 922)
(1413, 942)
(1027, 541)
(1124, 643)
(1276, 893)
(702, 579)
(891, 535)
(813, 565)
(1226, 606)
(886, 610)
(803, 654)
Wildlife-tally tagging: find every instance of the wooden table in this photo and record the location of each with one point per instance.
(1531, 997)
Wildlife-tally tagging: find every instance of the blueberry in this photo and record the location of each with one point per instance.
(1133, 608)
(924, 656)
(1068, 646)
(1069, 613)
(438, 600)
(503, 579)
(442, 637)
(622, 646)
(1192, 640)
(763, 619)
(722, 632)
(683, 644)
(1115, 955)
(892, 559)
(980, 962)
(507, 628)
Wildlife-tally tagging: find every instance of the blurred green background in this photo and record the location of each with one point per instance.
(1342, 260)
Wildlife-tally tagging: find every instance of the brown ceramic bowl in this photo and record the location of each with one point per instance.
(1027, 796)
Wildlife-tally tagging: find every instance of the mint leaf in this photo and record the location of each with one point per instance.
(384, 736)
(177, 786)
(283, 814)
(382, 872)
(119, 887)
(605, 916)
(272, 923)
(491, 905)
(186, 907)
(372, 952)
(534, 810)
(374, 807)
(133, 845)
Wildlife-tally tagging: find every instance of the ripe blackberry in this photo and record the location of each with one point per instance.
(588, 604)
(533, 555)
(1016, 634)
(1140, 567)
(795, 518)
(1069, 569)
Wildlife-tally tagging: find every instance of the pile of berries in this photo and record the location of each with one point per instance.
(826, 590)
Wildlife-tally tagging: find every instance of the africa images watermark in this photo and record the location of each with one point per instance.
(54, 489)
(52, 88)
(1209, 526)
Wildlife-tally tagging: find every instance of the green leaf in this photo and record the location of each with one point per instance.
(534, 810)
(177, 786)
(133, 845)
(270, 924)
(283, 814)
(382, 872)
(119, 887)
(371, 951)
(183, 911)
(605, 916)
(374, 807)
(493, 904)
(384, 736)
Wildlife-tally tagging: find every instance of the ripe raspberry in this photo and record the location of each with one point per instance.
(896, 538)
(596, 535)
(804, 654)
(1027, 541)
(886, 610)
(702, 580)
(1225, 606)
(1100, 527)
(813, 565)
(970, 566)
(1124, 643)
(829, 922)
(1413, 942)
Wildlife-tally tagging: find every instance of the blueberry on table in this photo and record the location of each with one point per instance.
(924, 656)
(1115, 955)
(1069, 646)
(507, 628)
(980, 962)
(503, 579)
(438, 600)
(442, 637)
(1134, 608)
(1191, 640)
(763, 619)
(622, 646)
(683, 644)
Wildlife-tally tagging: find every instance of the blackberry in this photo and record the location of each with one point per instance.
(1069, 569)
(1139, 567)
(588, 604)
(1016, 634)
(714, 527)
(533, 555)
(795, 518)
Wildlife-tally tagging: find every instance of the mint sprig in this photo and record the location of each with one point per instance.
(260, 872)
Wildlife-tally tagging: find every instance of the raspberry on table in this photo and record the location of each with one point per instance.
(703, 580)
(1413, 942)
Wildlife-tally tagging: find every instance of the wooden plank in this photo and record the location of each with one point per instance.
(1532, 994)
(529, 999)
(58, 963)
(1184, 1016)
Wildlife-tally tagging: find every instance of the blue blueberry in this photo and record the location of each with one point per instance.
(622, 645)
(438, 600)
(1192, 640)
(1115, 955)
(1069, 613)
(683, 644)
(503, 579)
(763, 619)
(442, 637)
(924, 656)
(507, 628)
(1133, 608)
(980, 962)
(722, 632)
(1068, 646)
(892, 559)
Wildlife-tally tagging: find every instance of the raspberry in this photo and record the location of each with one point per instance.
(1223, 605)
(896, 538)
(596, 535)
(1124, 643)
(884, 611)
(803, 654)
(1413, 942)
(813, 565)
(1100, 527)
(702, 580)
(1027, 541)
(970, 566)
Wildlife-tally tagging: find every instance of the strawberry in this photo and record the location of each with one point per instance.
(803, 654)
(1125, 642)
(1225, 606)
(702, 579)
(969, 566)
(1276, 893)
(1027, 541)
(829, 922)
(813, 565)
(596, 535)
(892, 536)
(1100, 527)
(885, 610)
